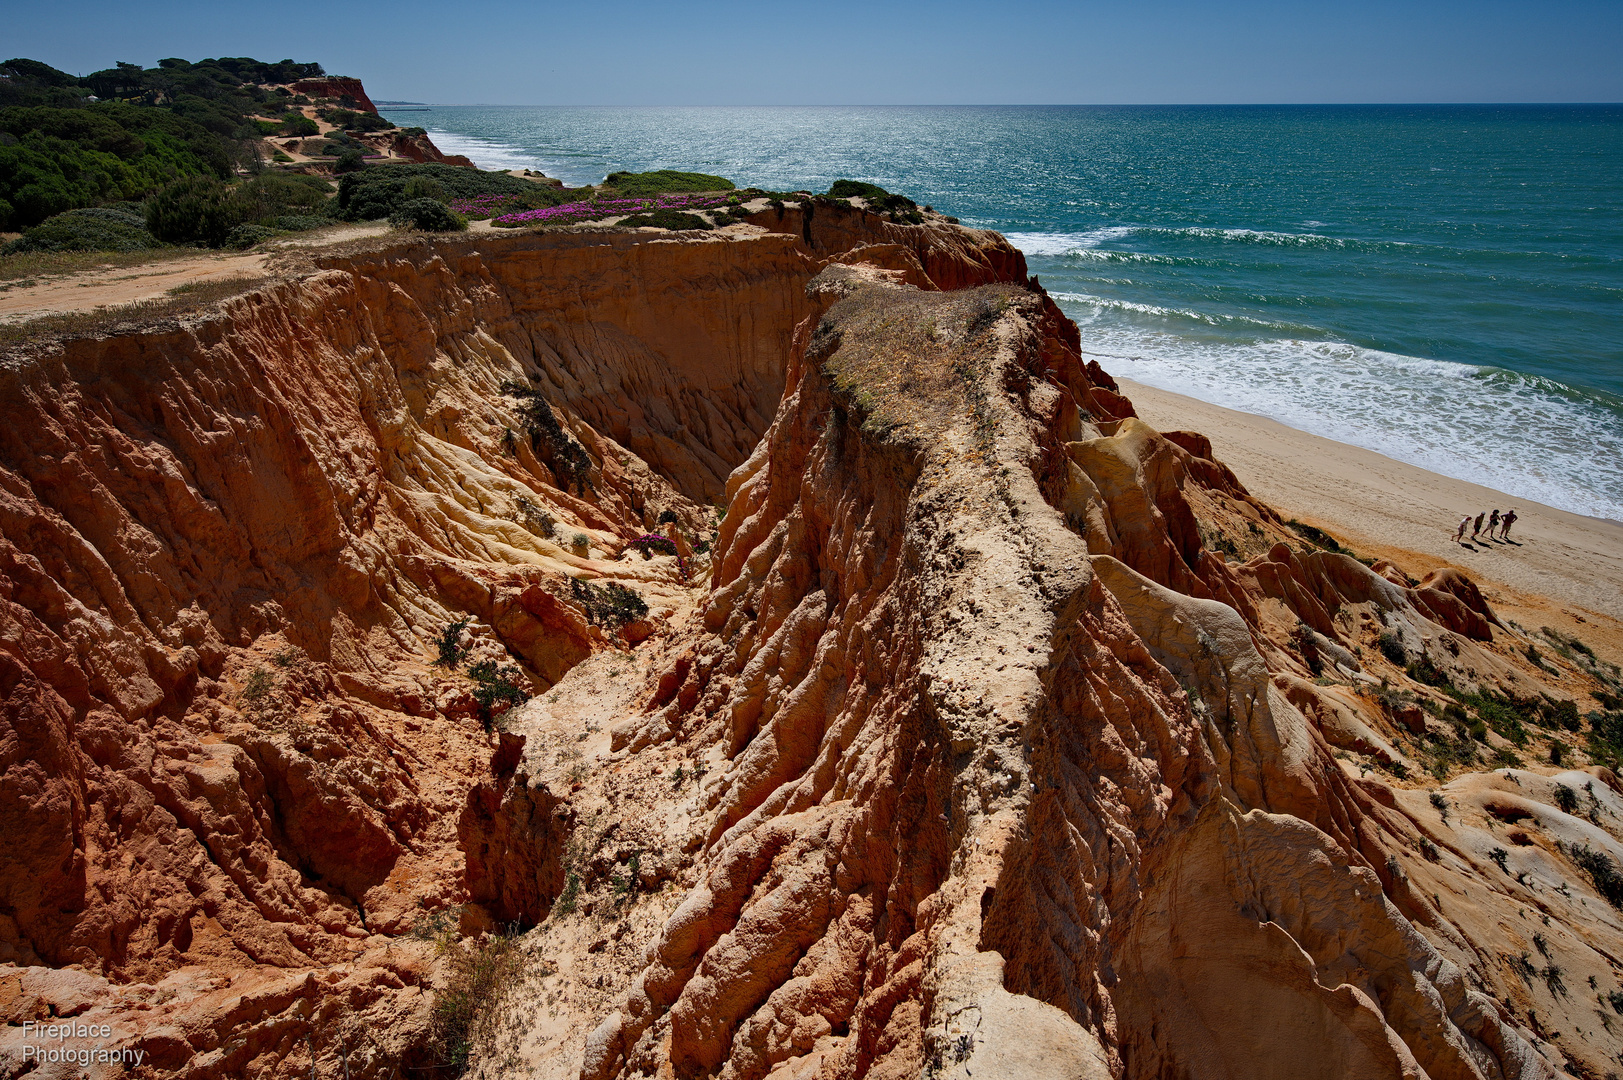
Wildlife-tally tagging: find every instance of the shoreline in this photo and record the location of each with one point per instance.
(1562, 567)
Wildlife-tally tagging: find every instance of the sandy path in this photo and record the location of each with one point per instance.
(1375, 504)
(115, 286)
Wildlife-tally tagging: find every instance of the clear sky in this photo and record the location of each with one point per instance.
(880, 52)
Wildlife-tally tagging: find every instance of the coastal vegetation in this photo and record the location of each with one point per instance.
(125, 132)
(663, 181)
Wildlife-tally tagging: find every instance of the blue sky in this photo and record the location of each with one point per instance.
(953, 52)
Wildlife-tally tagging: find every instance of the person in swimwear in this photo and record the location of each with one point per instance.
(1477, 528)
(1504, 525)
(1465, 523)
(1493, 523)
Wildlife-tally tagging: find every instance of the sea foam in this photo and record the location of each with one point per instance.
(1527, 436)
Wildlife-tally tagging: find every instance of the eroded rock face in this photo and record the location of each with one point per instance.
(226, 551)
(1002, 740)
(1000, 726)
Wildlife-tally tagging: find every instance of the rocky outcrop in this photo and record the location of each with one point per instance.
(999, 727)
(421, 149)
(342, 89)
(512, 834)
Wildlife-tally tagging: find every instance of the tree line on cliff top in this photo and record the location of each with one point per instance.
(120, 134)
(132, 158)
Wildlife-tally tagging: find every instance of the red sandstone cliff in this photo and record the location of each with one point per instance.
(962, 751)
(345, 90)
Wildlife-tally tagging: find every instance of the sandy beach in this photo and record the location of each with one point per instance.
(1563, 568)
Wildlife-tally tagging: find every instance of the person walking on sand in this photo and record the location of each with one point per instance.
(1504, 525)
(1493, 523)
(1465, 523)
(1477, 528)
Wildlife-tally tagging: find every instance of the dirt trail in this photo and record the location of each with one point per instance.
(111, 286)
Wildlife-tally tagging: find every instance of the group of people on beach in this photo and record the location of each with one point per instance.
(1495, 521)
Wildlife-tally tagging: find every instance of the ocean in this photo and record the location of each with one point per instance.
(1442, 284)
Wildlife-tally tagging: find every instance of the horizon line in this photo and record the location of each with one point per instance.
(1032, 105)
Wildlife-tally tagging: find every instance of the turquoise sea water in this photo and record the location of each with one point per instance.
(1443, 284)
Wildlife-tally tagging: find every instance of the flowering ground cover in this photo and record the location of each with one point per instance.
(596, 209)
(481, 207)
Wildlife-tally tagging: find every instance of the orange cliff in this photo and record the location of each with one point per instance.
(1005, 767)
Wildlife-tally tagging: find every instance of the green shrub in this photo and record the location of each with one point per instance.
(497, 689)
(349, 161)
(1606, 736)
(1319, 538)
(273, 193)
(246, 236)
(1504, 715)
(425, 187)
(1424, 671)
(449, 644)
(560, 450)
(845, 189)
(1392, 648)
(630, 185)
(299, 222)
(89, 229)
(1565, 797)
(1602, 871)
(414, 132)
(571, 895)
(611, 606)
(300, 126)
(195, 210)
(377, 193)
(1308, 646)
(257, 688)
(666, 219)
(653, 544)
(430, 215)
(1561, 714)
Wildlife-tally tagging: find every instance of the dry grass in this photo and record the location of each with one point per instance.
(912, 362)
(480, 973)
(25, 268)
(127, 318)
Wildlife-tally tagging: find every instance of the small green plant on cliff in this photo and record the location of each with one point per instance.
(653, 544)
(1319, 538)
(257, 689)
(1552, 979)
(1566, 798)
(479, 975)
(561, 451)
(610, 605)
(496, 689)
(1498, 855)
(1602, 872)
(570, 897)
(449, 644)
(1391, 646)
(1308, 645)
(536, 519)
